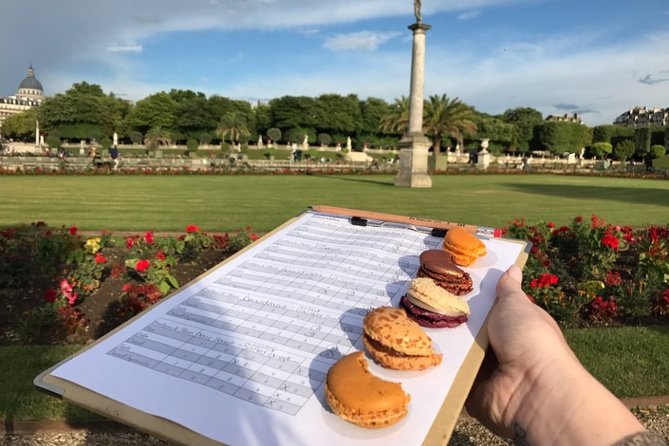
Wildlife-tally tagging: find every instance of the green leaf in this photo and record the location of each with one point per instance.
(172, 280)
(164, 287)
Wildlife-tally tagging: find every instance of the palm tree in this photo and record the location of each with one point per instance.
(396, 120)
(233, 125)
(157, 136)
(447, 116)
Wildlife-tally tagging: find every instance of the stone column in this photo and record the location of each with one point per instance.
(37, 139)
(414, 145)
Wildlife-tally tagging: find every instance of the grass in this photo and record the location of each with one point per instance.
(631, 362)
(224, 203)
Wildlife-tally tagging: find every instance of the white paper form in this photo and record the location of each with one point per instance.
(241, 355)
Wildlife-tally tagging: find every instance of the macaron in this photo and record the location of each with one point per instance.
(361, 398)
(439, 266)
(397, 342)
(464, 246)
(432, 306)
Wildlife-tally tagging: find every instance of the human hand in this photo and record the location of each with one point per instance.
(531, 385)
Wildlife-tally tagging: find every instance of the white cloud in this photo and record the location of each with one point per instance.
(133, 48)
(468, 15)
(361, 40)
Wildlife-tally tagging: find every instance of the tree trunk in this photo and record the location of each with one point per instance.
(436, 143)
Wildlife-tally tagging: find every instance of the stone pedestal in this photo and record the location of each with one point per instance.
(483, 159)
(413, 162)
(414, 145)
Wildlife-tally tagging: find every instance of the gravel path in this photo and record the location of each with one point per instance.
(468, 432)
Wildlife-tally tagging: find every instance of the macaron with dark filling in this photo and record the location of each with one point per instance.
(432, 306)
(438, 265)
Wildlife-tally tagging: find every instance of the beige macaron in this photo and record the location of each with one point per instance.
(425, 293)
(397, 342)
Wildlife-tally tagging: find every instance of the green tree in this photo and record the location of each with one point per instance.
(642, 140)
(156, 137)
(20, 126)
(290, 112)
(135, 136)
(154, 111)
(192, 145)
(274, 134)
(601, 149)
(86, 89)
(205, 138)
(657, 151)
(324, 139)
(525, 121)
(263, 118)
(444, 116)
(372, 110)
(624, 150)
(500, 133)
(560, 137)
(396, 119)
(338, 114)
(193, 113)
(233, 126)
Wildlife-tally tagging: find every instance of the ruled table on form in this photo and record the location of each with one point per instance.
(267, 330)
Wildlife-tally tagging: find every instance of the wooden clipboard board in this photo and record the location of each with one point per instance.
(442, 426)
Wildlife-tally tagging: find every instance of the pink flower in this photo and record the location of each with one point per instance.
(148, 237)
(73, 230)
(99, 258)
(142, 265)
(68, 292)
(192, 228)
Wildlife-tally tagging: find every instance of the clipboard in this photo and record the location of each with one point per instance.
(161, 427)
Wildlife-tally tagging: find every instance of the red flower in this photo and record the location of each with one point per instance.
(148, 237)
(192, 228)
(579, 219)
(129, 242)
(597, 222)
(254, 237)
(610, 240)
(613, 278)
(73, 230)
(665, 296)
(550, 224)
(544, 280)
(142, 265)
(99, 258)
(160, 255)
(50, 295)
(126, 287)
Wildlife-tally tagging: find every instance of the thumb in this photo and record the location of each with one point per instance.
(510, 282)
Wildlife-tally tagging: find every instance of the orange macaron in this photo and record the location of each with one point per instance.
(463, 246)
(361, 398)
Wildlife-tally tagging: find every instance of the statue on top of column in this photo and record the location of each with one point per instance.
(416, 11)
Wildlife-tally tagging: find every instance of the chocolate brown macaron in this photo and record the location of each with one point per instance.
(397, 342)
(438, 266)
(361, 398)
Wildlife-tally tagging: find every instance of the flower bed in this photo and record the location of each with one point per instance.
(59, 286)
(593, 273)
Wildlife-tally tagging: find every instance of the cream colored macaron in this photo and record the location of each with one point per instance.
(425, 293)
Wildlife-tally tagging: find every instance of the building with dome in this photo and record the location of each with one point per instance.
(29, 95)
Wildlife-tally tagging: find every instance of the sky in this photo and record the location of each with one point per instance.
(597, 58)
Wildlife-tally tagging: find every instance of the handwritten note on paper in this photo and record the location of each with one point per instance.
(241, 355)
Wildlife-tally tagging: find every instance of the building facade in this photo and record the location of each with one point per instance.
(575, 117)
(643, 117)
(30, 94)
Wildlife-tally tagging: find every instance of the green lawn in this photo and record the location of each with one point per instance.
(221, 203)
(631, 362)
